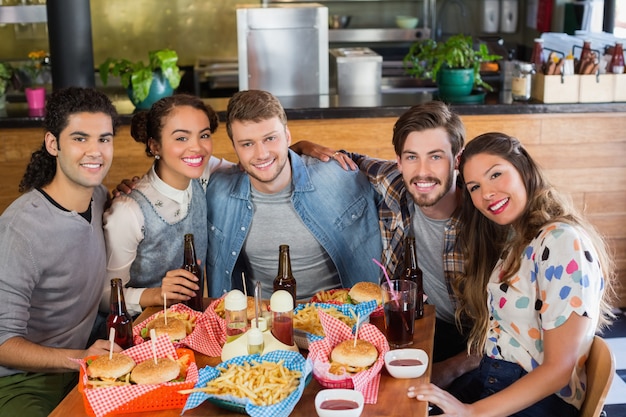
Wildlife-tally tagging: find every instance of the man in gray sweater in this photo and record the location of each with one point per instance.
(52, 255)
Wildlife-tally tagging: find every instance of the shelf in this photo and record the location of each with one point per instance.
(377, 35)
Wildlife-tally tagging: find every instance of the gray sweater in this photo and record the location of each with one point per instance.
(52, 271)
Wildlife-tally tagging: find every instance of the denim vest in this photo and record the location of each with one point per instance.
(337, 206)
(161, 249)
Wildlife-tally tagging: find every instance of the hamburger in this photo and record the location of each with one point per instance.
(103, 371)
(149, 372)
(365, 291)
(175, 328)
(348, 357)
(219, 308)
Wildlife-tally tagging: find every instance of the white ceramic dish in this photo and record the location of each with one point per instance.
(406, 22)
(339, 394)
(405, 372)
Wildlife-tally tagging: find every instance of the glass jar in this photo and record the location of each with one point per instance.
(281, 304)
(236, 316)
(521, 86)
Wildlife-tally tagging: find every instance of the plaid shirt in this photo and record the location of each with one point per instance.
(394, 214)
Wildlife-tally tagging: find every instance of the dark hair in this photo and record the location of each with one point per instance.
(253, 105)
(429, 115)
(59, 107)
(149, 124)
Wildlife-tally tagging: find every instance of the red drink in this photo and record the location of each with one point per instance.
(400, 323)
(282, 329)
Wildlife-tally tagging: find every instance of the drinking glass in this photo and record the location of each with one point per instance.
(399, 306)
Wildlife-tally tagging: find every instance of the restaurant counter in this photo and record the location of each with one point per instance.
(16, 114)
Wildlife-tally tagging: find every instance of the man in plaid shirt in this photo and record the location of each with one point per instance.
(420, 197)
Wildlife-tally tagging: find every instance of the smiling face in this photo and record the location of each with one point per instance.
(83, 150)
(185, 148)
(496, 188)
(263, 151)
(428, 170)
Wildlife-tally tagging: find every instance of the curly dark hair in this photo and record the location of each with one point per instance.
(149, 124)
(59, 107)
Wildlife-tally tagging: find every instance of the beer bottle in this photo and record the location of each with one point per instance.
(118, 316)
(190, 264)
(412, 272)
(285, 280)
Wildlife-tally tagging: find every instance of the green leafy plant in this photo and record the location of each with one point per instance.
(426, 58)
(7, 75)
(138, 75)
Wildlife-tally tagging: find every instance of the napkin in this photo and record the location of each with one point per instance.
(367, 382)
(202, 339)
(106, 399)
(292, 361)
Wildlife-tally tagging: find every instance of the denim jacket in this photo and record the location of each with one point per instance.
(339, 208)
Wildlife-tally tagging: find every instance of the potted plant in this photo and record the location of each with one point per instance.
(455, 57)
(145, 83)
(7, 76)
(36, 69)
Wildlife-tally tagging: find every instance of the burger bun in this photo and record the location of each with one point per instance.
(366, 291)
(361, 355)
(116, 367)
(250, 309)
(175, 328)
(147, 372)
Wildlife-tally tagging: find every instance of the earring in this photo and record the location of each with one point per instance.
(157, 157)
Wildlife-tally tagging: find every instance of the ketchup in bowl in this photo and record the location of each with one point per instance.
(405, 362)
(339, 405)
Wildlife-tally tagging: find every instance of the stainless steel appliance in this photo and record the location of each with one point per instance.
(283, 48)
(355, 71)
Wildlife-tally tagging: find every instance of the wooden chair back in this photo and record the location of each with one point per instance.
(600, 370)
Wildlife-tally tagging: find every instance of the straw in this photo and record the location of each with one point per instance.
(165, 307)
(153, 337)
(243, 280)
(394, 294)
(356, 332)
(111, 342)
(257, 302)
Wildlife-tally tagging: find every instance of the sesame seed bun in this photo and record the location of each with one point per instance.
(366, 291)
(147, 372)
(116, 367)
(364, 354)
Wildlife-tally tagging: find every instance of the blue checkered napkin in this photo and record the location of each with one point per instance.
(351, 310)
(293, 361)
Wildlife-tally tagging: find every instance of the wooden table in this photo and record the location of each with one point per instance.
(392, 399)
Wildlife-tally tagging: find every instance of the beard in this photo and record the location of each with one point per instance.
(433, 197)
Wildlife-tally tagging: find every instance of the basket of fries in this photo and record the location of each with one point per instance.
(336, 296)
(257, 385)
(308, 327)
(129, 398)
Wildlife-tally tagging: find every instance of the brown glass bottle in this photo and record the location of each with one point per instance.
(190, 264)
(412, 272)
(285, 279)
(118, 316)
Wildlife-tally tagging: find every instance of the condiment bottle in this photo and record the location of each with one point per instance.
(537, 58)
(190, 264)
(616, 66)
(412, 272)
(118, 317)
(521, 87)
(256, 344)
(235, 314)
(584, 55)
(281, 304)
(285, 279)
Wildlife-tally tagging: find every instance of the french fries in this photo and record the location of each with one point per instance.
(340, 296)
(264, 383)
(308, 320)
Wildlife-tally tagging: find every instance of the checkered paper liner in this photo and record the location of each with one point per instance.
(351, 310)
(106, 400)
(292, 361)
(368, 381)
(202, 339)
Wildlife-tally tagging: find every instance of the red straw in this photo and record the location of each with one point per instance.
(394, 294)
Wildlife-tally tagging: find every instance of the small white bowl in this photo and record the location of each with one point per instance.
(402, 371)
(406, 22)
(339, 394)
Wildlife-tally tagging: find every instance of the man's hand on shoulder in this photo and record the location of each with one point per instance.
(323, 153)
(125, 187)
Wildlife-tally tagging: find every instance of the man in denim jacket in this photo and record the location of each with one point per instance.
(327, 215)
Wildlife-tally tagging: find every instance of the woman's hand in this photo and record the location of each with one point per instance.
(323, 153)
(447, 402)
(177, 285)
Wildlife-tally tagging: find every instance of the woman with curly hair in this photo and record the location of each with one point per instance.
(537, 285)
